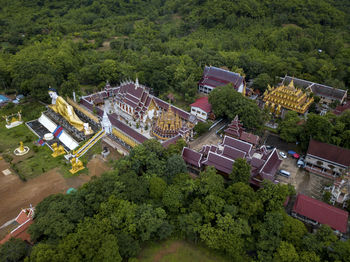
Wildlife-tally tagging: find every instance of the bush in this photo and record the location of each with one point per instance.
(202, 127)
(8, 158)
(327, 197)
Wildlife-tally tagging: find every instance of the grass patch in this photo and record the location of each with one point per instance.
(178, 250)
(38, 160)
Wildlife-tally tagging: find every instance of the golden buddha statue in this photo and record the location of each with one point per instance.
(60, 106)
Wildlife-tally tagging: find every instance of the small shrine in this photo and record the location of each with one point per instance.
(167, 125)
(13, 120)
(21, 150)
(288, 97)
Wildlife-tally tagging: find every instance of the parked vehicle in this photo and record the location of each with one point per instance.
(301, 162)
(282, 154)
(284, 173)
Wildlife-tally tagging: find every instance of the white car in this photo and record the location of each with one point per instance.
(283, 154)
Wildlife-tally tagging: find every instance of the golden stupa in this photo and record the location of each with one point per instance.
(167, 125)
(288, 97)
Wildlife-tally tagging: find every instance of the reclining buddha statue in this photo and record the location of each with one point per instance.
(60, 106)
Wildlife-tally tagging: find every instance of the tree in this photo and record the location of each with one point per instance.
(240, 171)
(175, 165)
(226, 102)
(209, 182)
(242, 196)
(286, 253)
(228, 235)
(202, 127)
(156, 187)
(14, 250)
(289, 128)
(261, 81)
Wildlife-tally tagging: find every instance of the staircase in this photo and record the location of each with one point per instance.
(89, 144)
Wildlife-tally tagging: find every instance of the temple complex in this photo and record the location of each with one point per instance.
(286, 97)
(136, 115)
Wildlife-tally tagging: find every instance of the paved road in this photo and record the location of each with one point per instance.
(208, 138)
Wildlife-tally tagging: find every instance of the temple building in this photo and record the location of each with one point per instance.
(264, 164)
(167, 125)
(235, 129)
(327, 94)
(214, 77)
(286, 97)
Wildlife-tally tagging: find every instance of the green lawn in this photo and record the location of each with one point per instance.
(178, 251)
(39, 159)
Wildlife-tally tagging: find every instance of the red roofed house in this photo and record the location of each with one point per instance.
(316, 212)
(201, 108)
(214, 77)
(24, 219)
(327, 160)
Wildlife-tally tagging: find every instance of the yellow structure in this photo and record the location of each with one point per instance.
(167, 125)
(77, 165)
(57, 150)
(124, 137)
(288, 97)
(60, 106)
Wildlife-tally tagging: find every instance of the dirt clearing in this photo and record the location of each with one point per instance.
(16, 194)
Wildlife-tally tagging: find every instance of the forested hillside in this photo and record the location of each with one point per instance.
(166, 43)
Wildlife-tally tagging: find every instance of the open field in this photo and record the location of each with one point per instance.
(16, 194)
(178, 250)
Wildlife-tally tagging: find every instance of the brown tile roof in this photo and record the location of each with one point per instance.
(171, 141)
(341, 108)
(220, 162)
(239, 144)
(233, 153)
(214, 77)
(321, 212)
(250, 138)
(271, 166)
(126, 129)
(331, 153)
(192, 157)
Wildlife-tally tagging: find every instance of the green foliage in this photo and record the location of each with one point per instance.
(14, 250)
(201, 128)
(226, 102)
(240, 171)
(328, 128)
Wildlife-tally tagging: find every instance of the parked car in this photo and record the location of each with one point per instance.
(301, 162)
(284, 173)
(282, 154)
(269, 147)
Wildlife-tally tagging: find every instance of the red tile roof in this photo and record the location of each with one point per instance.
(203, 104)
(321, 212)
(329, 152)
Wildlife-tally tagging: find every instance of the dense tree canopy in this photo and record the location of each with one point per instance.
(167, 43)
(111, 217)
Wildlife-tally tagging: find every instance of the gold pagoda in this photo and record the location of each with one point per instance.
(167, 125)
(288, 97)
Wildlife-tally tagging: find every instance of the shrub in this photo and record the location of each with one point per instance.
(8, 158)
